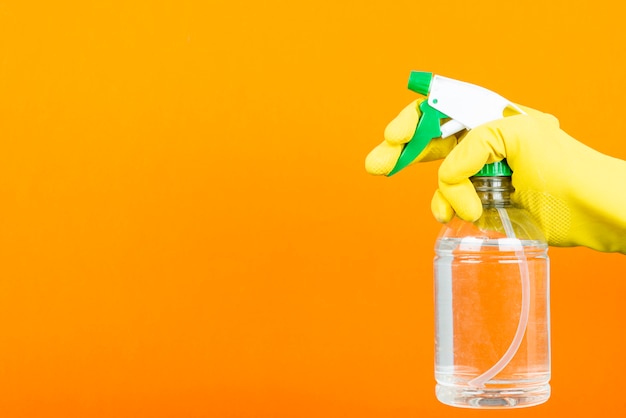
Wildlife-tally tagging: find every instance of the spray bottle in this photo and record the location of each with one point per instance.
(492, 308)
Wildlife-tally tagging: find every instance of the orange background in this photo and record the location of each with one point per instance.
(187, 229)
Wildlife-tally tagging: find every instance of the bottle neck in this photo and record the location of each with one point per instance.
(493, 191)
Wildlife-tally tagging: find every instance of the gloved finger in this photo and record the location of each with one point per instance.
(480, 146)
(441, 208)
(401, 129)
(437, 149)
(382, 159)
(462, 199)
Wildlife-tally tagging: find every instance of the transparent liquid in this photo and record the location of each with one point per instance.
(478, 299)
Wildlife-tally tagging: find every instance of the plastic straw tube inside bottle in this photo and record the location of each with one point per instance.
(525, 310)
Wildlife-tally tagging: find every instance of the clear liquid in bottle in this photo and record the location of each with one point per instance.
(492, 308)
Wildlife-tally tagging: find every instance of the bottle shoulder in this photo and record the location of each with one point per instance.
(494, 224)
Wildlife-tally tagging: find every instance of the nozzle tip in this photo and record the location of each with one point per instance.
(419, 82)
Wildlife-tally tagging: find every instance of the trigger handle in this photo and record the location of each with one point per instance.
(428, 128)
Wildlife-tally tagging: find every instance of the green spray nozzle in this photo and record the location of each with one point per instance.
(465, 105)
(419, 82)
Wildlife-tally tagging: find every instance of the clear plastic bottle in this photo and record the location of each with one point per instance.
(492, 307)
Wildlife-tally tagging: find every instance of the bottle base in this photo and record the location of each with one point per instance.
(465, 397)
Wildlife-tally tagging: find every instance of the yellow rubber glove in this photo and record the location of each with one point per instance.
(577, 194)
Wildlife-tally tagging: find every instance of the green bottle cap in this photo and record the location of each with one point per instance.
(498, 169)
(419, 82)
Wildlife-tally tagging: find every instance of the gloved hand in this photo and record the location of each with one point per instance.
(577, 195)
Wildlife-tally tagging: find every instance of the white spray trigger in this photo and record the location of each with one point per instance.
(468, 105)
